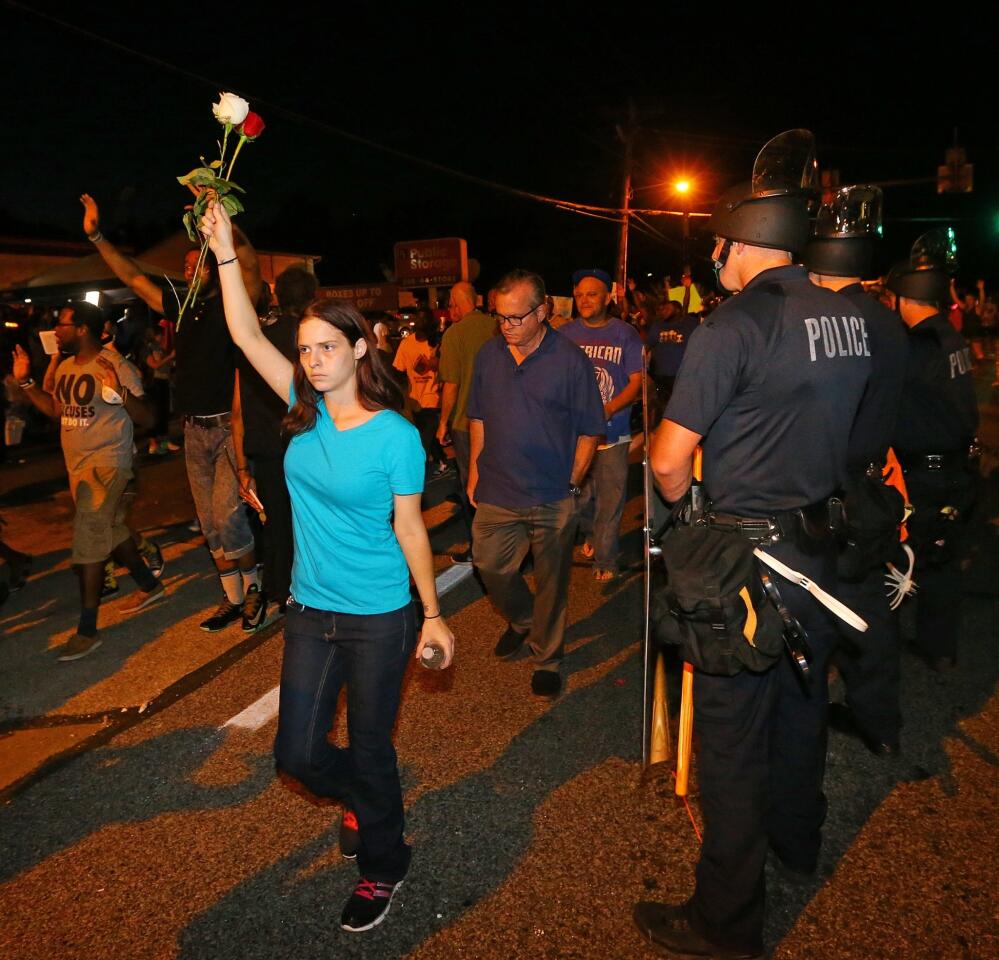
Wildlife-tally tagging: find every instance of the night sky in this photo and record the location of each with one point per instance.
(525, 97)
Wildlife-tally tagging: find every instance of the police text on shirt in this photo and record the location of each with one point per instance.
(960, 362)
(840, 336)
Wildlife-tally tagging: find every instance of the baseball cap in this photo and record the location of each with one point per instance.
(602, 275)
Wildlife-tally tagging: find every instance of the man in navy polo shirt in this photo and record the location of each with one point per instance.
(535, 419)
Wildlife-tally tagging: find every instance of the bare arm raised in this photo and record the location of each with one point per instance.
(124, 268)
(240, 314)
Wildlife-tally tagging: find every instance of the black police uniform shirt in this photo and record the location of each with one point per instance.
(938, 412)
(772, 380)
(889, 341)
(205, 365)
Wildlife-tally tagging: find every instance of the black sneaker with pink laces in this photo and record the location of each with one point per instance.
(368, 905)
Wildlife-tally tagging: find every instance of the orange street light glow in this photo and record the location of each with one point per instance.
(681, 186)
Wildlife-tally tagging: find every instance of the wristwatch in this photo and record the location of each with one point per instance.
(575, 490)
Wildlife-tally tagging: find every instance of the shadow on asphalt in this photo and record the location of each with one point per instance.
(467, 838)
(34, 683)
(119, 785)
(470, 836)
(933, 705)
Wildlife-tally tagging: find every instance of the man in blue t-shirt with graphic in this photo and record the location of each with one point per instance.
(615, 350)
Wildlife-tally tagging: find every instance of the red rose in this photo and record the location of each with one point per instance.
(252, 126)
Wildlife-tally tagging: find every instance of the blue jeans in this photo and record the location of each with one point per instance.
(211, 472)
(323, 651)
(602, 503)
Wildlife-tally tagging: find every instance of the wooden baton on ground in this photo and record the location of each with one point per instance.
(686, 728)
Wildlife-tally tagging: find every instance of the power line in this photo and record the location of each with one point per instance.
(567, 205)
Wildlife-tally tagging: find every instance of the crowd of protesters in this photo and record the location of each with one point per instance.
(307, 479)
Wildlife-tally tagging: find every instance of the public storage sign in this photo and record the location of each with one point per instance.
(424, 263)
(375, 297)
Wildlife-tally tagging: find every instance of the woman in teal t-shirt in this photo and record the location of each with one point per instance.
(355, 471)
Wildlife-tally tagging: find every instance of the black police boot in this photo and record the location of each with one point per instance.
(666, 926)
(843, 719)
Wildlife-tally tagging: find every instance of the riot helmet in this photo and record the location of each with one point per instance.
(771, 210)
(925, 276)
(846, 232)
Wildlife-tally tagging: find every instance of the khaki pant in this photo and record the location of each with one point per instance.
(99, 521)
(501, 537)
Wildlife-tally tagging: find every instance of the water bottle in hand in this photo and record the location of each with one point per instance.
(432, 656)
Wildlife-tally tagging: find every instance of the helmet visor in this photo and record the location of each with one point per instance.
(786, 165)
(854, 212)
(936, 248)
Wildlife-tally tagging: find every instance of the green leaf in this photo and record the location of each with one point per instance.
(232, 205)
(215, 164)
(189, 226)
(198, 177)
(224, 186)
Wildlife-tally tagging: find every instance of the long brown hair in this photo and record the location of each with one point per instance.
(377, 389)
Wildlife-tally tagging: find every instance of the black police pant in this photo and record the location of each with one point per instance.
(938, 544)
(760, 765)
(869, 662)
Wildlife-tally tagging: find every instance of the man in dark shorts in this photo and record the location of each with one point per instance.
(259, 443)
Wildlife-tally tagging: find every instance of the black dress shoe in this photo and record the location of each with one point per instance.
(843, 719)
(509, 644)
(667, 927)
(799, 876)
(943, 664)
(546, 684)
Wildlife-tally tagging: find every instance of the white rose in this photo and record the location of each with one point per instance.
(230, 109)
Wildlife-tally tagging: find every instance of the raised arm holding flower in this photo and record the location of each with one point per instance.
(350, 589)
(240, 314)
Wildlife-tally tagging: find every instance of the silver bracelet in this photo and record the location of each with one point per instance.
(95, 237)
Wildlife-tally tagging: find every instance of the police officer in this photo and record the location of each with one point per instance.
(839, 255)
(937, 421)
(769, 386)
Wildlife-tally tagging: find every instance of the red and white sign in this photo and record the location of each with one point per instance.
(427, 263)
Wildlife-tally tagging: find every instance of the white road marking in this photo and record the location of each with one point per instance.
(451, 577)
(260, 712)
(256, 714)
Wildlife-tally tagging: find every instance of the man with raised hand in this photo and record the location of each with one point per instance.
(205, 378)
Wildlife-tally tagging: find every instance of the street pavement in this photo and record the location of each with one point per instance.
(142, 817)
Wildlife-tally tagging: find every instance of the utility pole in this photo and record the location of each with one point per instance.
(627, 136)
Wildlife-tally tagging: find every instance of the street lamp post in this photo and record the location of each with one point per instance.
(682, 187)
